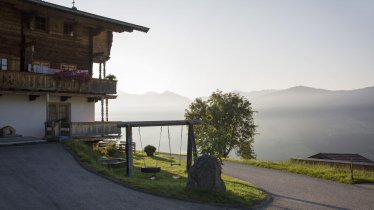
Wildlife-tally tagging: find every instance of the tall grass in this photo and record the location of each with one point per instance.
(324, 171)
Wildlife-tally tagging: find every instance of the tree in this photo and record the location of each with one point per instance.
(227, 124)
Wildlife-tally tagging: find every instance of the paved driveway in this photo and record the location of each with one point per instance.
(45, 176)
(293, 191)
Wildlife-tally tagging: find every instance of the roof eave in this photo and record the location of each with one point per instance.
(129, 27)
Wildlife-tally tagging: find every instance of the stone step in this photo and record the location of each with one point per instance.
(18, 140)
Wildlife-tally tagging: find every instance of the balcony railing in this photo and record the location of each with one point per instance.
(82, 130)
(25, 81)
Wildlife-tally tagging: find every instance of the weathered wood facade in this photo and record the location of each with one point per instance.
(49, 50)
(34, 32)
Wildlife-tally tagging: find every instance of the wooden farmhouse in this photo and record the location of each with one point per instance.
(47, 53)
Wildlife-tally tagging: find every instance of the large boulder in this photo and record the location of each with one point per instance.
(7, 131)
(205, 175)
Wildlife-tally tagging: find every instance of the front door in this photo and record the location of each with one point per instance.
(59, 115)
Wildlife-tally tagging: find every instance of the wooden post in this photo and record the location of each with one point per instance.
(102, 109)
(189, 147)
(100, 69)
(47, 106)
(106, 109)
(194, 149)
(129, 169)
(104, 72)
(102, 116)
(106, 99)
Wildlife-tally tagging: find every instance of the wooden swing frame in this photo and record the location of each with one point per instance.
(191, 144)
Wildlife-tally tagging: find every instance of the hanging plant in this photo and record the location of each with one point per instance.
(73, 76)
(64, 75)
(82, 77)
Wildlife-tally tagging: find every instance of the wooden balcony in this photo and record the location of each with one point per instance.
(25, 81)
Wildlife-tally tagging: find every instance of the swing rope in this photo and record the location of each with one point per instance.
(180, 149)
(180, 146)
(159, 143)
(169, 143)
(141, 144)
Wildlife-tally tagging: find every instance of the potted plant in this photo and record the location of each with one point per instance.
(111, 77)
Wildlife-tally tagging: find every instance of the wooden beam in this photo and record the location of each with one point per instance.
(93, 99)
(47, 99)
(102, 109)
(158, 123)
(90, 52)
(106, 110)
(33, 97)
(189, 148)
(64, 98)
(129, 154)
(193, 142)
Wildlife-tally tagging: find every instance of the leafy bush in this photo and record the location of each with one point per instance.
(102, 151)
(150, 150)
(109, 151)
(112, 151)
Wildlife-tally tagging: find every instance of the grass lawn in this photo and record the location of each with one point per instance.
(329, 172)
(238, 192)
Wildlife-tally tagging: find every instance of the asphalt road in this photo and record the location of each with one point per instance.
(46, 176)
(293, 191)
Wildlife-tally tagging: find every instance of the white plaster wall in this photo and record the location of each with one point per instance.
(81, 110)
(27, 117)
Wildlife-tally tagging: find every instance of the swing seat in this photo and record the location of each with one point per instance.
(151, 169)
(175, 164)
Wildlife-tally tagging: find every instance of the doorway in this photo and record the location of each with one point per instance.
(59, 116)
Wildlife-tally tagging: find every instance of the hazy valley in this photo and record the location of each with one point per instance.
(298, 121)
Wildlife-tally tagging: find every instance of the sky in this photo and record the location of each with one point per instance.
(198, 46)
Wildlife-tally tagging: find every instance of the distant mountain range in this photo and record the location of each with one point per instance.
(299, 121)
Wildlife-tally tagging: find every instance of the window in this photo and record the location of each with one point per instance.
(68, 67)
(41, 67)
(3, 64)
(69, 29)
(41, 23)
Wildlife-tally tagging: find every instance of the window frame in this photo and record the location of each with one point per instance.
(68, 67)
(55, 110)
(6, 65)
(38, 24)
(69, 29)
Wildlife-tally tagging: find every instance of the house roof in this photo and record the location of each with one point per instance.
(341, 157)
(127, 26)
